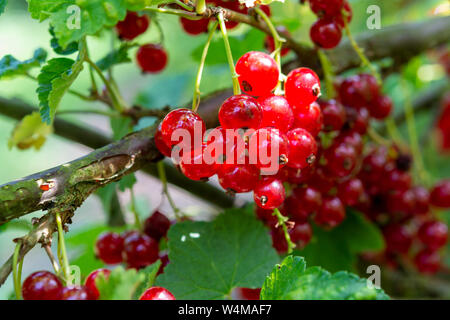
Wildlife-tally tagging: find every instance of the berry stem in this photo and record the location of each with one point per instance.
(111, 114)
(160, 30)
(393, 130)
(359, 51)
(53, 261)
(183, 5)
(163, 178)
(62, 246)
(282, 222)
(375, 136)
(17, 271)
(198, 79)
(200, 6)
(137, 221)
(180, 13)
(412, 133)
(328, 73)
(234, 76)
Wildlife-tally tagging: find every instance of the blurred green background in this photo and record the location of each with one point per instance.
(20, 36)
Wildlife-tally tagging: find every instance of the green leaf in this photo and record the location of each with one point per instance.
(127, 182)
(291, 280)
(240, 44)
(209, 259)
(150, 272)
(338, 248)
(115, 57)
(30, 132)
(10, 66)
(120, 285)
(71, 47)
(55, 79)
(3, 4)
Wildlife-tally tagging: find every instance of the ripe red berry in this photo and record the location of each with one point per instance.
(398, 238)
(76, 293)
(351, 191)
(157, 225)
(164, 262)
(440, 195)
(132, 26)
(302, 148)
(329, 8)
(160, 144)
(184, 121)
(357, 120)
(428, 261)
(331, 213)
(109, 247)
(268, 149)
(279, 240)
(433, 234)
(258, 73)
(194, 27)
(302, 87)
(346, 14)
(325, 33)
(140, 250)
(359, 90)
(351, 138)
(152, 58)
(302, 203)
(266, 216)
(198, 164)
(276, 112)
(334, 115)
(398, 180)
(422, 202)
(240, 111)
(232, 5)
(247, 293)
(380, 107)
(301, 234)
(90, 282)
(296, 176)
(309, 118)
(341, 160)
(401, 201)
(157, 293)
(238, 178)
(269, 193)
(321, 180)
(42, 285)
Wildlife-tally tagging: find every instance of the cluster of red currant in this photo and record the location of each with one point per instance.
(44, 285)
(327, 31)
(151, 57)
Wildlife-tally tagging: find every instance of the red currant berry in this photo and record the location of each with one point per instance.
(422, 202)
(301, 234)
(402, 202)
(182, 119)
(157, 293)
(140, 251)
(240, 111)
(269, 194)
(247, 293)
(351, 138)
(157, 225)
(279, 240)
(76, 293)
(428, 261)
(302, 87)
(296, 176)
(268, 149)
(398, 180)
(346, 14)
(164, 262)
(359, 90)
(302, 148)
(276, 112)
(42, 285)
(329, 8)
(321, 180)
(440, 195)
(258, 73)
(160, 144)
(238, 178)
(194, 27)
(310, 119)
(331, 213)
(398, 238)
(267, 217)
(325, 33)
(302, 203)
(90, 282)
(351, 191)
(341, 160)
(358, 120)
(152, 58)
(334, 115)
(132, 26)
(198, 164)
(109, 247)
(380, 107)
(433, 234)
